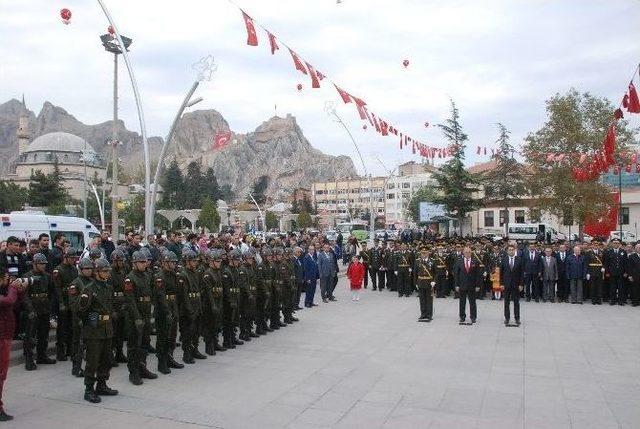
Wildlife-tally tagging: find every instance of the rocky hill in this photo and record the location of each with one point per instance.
(277, 148)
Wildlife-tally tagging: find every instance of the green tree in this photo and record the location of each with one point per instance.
(504, 183)
(455, 183)
(12, 197)
(576, 123)
(259, 189)
(210, 187)
(422, 195)
(226, 193)
(209, 217)
(307, 206)
(194, 186)
(47, 189)
(271, 220)
(304, 220)
(295, 206)
(133, 213)
(173, 186)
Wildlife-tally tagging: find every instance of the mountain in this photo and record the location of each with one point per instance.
(277, 148)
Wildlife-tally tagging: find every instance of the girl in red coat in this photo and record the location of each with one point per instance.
(356, 274)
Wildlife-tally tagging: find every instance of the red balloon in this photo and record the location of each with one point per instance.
(405, 63)
(111, 30)
(299, 87)
(65, 14)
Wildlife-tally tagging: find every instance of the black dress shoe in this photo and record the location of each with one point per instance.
(187, 358)
(332, 298)
(4, 417)
(45, 360)
(237, 342)
(298, 308)
(135, 379)
(30, 365)
(294, 319)
(91, 396)
(517, 322)
(145, 373)
(506, 323)
(473, 320)
(173, 363)
(314, 305)
(198, 355)
(103, 390)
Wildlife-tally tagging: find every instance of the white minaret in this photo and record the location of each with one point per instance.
(23, 129)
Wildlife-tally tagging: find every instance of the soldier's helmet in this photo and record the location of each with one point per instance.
(102, 264)
(85, 264)
(215, 254)
(95, 254)
(188, 255)
(138, 256)
(169, 256)
(235, 254)
(117, 255)
(39, 258)
(147, 253)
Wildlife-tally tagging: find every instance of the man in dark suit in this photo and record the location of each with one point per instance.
(615, 261)
(532, 273)
(511, 279)
(467, 272)
(633, 271)
(563, 281)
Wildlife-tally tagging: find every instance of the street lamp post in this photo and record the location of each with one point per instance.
(330, 109)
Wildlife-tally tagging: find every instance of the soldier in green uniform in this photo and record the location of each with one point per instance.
(231, 293)
(35, 309)
(441, 272)
(425, 280)
(212, 302)
(289, 285)
(167, 339)
(248, 293)
(118, 274)
(190, 307)
(264, 281)
(96, 309)
(374, 264)
(62, 277)
(85, 266)
(365, 258)
(595, 273)
(138, 291)
(276, 292)
(479, 256)
(162, 314)
(402, 269)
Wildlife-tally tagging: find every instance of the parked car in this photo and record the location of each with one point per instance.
(586, 238)
(331, 235)
(627, 236)
(491, 236)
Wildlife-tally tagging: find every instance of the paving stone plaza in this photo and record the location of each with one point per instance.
(369, 364)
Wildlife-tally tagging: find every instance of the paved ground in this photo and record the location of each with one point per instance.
(370, 364)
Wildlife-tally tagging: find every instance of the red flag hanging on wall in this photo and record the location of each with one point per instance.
(221, 139)
(274, 44)
(252, 37)
(296, 62)
(315, 83)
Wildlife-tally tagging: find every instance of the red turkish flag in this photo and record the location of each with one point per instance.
(634, 102)
(274, 44)
(362, 111)
(375, 122)
(384, 128)
(610, 140)
(221, 139)
(296, 62)
(343, 94)
(315, 83)
(252, 37)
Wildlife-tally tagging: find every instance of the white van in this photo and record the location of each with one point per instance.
(29, 225)
(532, 231)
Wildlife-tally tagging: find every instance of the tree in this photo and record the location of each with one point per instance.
(304, 220)
(295, 206)
(271, 220)
(210, 187)
(47, 189)
(576, 123)
(506, 181)
(259, 189)
(133, 213)
(455, 183)
(422, 195)
(226, 193)
(194, 186)
(307, 206)
(12, 197)
(173, 186)
(209, 216)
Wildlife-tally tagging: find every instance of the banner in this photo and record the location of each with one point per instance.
(221, 139)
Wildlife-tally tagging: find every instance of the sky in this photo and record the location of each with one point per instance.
(499, 60)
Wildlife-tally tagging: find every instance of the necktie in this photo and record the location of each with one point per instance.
(511, 262)
(466, 265)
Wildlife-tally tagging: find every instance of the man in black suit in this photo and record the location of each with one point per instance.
(633, 271)
(615, 261)
(532, 273)
(563, 281)
(511, 279)
(467, 272)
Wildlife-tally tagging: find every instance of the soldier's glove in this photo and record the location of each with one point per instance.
(410, 269)
(602, 269)
(395, 272)
(588, 276)
(433, 284)
(477, 289)
(484, 274)
(139, 324)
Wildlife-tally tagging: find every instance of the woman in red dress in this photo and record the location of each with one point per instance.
(355, 274)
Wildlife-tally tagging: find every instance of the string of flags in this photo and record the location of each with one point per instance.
(381, 125)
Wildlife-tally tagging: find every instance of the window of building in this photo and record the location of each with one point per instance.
(391, 186)
(380, 210)
(624, 216)
(504, 216)
(488, 219)
(519, 216)
(391, 196)
(406, 185)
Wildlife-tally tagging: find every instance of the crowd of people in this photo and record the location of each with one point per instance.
(240, 287)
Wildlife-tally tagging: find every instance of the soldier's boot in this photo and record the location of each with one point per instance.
(29, 364)
(274, 324)
(173, 363)
(253, 334)
(187, 358)
(244, 335)
(217, 346)
(145, 373)
(114, 364)
(294, 319)
(196, 354)
(103, 390)
(227, 342)
(76, 369)
(234, 339)
(45, 360)
(134, 378)
(61, 355)
(209, 349)
(120, 357)
(90, 395)
(163, 365)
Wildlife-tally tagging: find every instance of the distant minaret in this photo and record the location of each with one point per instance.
(23, 129)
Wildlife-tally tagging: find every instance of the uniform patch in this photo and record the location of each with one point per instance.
(55, 274)
(159, 283)
(73, 290)
(128, 285)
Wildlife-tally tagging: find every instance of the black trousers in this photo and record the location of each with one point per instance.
(426, 302)
(635, 292)
(373, 273)
(98, 360)
(63, 333)
(470, 295)
(532, 286)
(381, 278)
(617, 290)
(595, 287)
(563, 287)
(511, 294)
(403, 282)
(391, 280)
(366, 275)
(36, 331)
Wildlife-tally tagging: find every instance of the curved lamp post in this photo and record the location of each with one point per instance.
(205, 68)
(148, 219)
(330, 109)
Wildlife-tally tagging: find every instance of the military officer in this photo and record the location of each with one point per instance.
(231, 294)
(62, 276)
(190, 307)
(403, 271)
(96, 309)
(212, 302)
(85, 266)
(118, 274)
(248, 296)
(425, 280)
(264, 284)
(441, 272)
(595, 273)
(365, 258)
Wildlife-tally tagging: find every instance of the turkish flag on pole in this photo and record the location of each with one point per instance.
(274, 44)
(252, 37)
(343, 94)
(315, 83)
(362, 111)
(297, 62)
(634, 102)
(221, 140)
